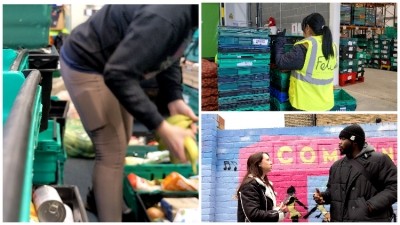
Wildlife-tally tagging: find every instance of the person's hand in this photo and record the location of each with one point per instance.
(318, 197)
(283, 208)
(281, 33)
(173, 137)
(180, 107)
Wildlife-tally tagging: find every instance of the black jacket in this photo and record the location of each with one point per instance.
(257, 206)
(127, 43)
(292, 60)
(349, 192)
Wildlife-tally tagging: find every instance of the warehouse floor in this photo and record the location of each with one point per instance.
(378, 92)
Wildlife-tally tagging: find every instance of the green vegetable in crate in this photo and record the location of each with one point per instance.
(191, 148)
(76, 141)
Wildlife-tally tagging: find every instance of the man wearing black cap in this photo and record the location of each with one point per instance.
(362, 186)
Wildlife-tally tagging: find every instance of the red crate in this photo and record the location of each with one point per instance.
(347, 78)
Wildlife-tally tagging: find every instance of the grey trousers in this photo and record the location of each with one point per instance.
(109, 126)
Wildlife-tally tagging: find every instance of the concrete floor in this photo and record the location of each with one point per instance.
(378, 92)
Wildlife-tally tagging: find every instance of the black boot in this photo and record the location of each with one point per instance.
(127, 216)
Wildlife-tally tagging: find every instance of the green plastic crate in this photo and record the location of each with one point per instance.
(276, 105)
(49, 156)
(11, 56)
(140, 150)
(343, 101)
(280, 80)
(26, 26)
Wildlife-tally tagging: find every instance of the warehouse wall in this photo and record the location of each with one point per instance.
(301, 156)
(287, 13)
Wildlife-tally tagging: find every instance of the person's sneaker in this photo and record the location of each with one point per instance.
(127, 216)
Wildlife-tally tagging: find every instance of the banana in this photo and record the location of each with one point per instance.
(192, 152)
(177, 118)
(185, 124)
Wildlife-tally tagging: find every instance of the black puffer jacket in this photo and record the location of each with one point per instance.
(257, 206)
(349, 192)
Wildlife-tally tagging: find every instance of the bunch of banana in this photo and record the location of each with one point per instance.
(191, 148)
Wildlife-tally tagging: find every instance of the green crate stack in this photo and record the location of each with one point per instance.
(391, 32)
(386, 45)
(280, 84)
(348, 62)
(374, 47)
(49, 157)
(151, 172)
(250, 55)
(393, 58)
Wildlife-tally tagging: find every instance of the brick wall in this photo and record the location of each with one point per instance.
(300, 120)
(301, 156)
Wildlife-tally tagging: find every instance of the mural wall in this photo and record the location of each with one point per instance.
(301, 157)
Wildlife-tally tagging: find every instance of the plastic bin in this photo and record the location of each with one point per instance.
(49, 157)
(26, 26)
(14, 60)
(150, 172)
(12, 83)
(343, 101)
(58, 112)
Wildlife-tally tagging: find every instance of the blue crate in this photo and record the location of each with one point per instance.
(281, 96)
(244, 70)
(233, 63)
(276, 105)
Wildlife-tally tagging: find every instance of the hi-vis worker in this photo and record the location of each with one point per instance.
(312, 61)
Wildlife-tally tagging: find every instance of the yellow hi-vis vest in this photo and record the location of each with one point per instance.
(311, 88)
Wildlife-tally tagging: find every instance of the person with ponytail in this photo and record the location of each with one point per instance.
(312, 61)
(256, 195)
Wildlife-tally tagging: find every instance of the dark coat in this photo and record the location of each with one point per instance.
(292, 60)
(256, 205)
(350, 193)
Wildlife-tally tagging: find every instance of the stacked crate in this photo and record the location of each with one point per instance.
(359, 14)
(370, 16)
(243, 69)
(348, 64)
(345, 14)
(279, 90)
(393, 58)
(385, 52)
(374, 47)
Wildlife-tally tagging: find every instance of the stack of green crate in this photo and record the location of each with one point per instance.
(361, 61)
(385, 50)
(375, 50)
(49, 157)
(347, 55)
(279, 90)
(393, 58)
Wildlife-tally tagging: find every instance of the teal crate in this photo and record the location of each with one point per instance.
(245, 99)
(246, 91)
(233, 63)
(243, 85)
(243, 55)
(49, 156)
(229, 31)
(343, 101)
(243, 70)
(244, 41)
(239, 78)
(26, 26)
(262, 107)
(14, 60)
